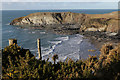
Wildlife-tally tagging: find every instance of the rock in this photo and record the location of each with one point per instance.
(102, 29)
(111, 34)
(71, 21)
(91, 29)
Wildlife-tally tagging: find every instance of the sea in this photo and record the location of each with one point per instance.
(66, 46)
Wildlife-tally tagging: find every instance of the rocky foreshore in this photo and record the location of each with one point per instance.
(100, 38)
(100, 27)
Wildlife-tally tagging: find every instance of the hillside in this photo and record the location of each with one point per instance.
(68, 21)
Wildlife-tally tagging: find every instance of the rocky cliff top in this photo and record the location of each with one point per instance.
(68, 21)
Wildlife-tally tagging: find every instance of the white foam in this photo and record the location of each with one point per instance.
(9, 31)
(63, 58)
(50, 51)
(55, 42)
(52, 48)
(63, 38)
(69, 48)
(33, 50)
(71, 54)
(75, 41)
(32, 32)
(37, 57)
(25, 29)
(79, 41)
(79, 35)
(42, 32)
(44, 49)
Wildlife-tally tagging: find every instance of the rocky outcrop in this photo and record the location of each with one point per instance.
(69, 21)
(49, 18)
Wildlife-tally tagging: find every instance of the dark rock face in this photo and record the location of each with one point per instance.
(68, 21)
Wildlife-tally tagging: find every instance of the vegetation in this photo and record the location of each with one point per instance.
(20, 63)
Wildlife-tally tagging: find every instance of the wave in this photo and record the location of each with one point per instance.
(66, 47)
(25, 29)
(68, 56)
(45, 48)
(69, 48)
(10, 31)
(33, 50)
(55, 42)
(63, 38)
(63, 58)
(32, 32)
(50, 51)
(79, 35)
(42, 32)
(79, 41)
(52, 48)
(7, 31)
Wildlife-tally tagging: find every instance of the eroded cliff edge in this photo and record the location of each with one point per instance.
(71, 22)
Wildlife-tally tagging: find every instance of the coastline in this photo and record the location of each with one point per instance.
(94, 27)
(95, 37)
(100, 38)
(81, 44)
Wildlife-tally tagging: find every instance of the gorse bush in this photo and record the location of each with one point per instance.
(20, 63)
(109, 65)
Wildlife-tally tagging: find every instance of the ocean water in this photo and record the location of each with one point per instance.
(66, 46)
(0, 30)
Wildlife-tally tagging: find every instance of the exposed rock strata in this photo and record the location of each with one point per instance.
(71, 22)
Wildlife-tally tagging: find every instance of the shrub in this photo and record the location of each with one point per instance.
(20, 63)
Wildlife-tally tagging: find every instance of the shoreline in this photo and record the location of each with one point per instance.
(100, 38)
(95, 37)
(99, 28)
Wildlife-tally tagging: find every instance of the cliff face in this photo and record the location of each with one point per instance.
(49, 18)
(85, 22)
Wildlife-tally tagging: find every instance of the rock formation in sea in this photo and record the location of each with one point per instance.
(68, 21)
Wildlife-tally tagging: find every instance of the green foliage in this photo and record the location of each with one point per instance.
(20, 63)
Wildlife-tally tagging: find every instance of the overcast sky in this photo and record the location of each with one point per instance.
(58, 4)
(60, 0)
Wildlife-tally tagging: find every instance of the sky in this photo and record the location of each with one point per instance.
(57, 4)
(60, 0)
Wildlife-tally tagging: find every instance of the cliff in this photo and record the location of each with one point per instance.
(69, 21)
